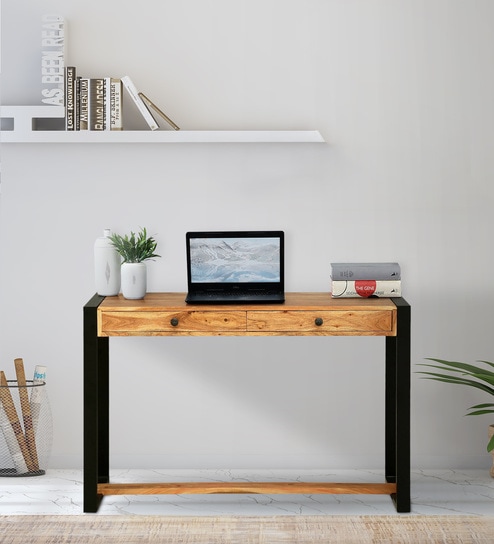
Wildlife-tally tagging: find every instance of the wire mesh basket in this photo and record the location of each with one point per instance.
(26, 428)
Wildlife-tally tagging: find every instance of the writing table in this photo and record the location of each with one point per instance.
(303, 314)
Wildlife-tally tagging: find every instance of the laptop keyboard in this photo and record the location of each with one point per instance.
(233, 294)
(254, 295)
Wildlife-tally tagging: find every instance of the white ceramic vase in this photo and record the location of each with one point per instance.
(106, 266)
(134, 280)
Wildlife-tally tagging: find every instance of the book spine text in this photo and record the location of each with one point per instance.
(70, 98)
(97, 104)
(116, 96)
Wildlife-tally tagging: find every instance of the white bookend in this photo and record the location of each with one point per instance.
(53, 40)
(132, 90)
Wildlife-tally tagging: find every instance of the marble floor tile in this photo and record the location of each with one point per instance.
(433, 492)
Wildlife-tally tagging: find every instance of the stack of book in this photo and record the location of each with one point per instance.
(355, 280)
(90, 103)
(97, 103)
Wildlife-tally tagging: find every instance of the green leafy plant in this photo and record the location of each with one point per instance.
(135, 248)
(465, 374)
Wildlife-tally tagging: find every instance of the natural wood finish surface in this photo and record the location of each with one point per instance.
(267, 488)
(303, 314)
(161, 322)
(330, 321)
(309, 300)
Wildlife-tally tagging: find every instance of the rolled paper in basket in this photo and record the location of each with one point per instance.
(11, 412)
(26, 412)
(20, 466)
(36, 395)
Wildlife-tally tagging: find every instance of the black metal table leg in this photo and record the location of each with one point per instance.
(96, 411)
(390, 416)
(398, 407)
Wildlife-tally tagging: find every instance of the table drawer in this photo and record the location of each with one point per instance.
(141, 323)
(380, 322)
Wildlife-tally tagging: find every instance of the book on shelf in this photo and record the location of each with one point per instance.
(70, 98)
(365, 271)
(151, 104)
(365, 288)
(107, 103)
(83, 103)
(116, 105)
(138, 101)
(97, 103)
(78, 103)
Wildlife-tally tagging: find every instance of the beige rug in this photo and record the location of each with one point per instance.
(399, 529)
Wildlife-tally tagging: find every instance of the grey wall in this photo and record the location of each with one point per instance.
(402, 92)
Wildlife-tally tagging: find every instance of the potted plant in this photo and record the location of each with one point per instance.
(134, 250)
(480, 377)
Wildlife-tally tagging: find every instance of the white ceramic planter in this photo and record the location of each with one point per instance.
(134, 280)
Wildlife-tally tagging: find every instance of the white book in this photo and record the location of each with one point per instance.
(107, 103)
(365, 288)
(116, 104)
(132, 90)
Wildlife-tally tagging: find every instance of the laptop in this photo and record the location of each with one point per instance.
(237, 267)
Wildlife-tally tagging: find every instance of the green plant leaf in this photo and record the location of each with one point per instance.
(480, 412)
(135, 248)
(490, 445)
(463, 369)
(459, 381)
(480, 409)
(464, 374)
(455, 366)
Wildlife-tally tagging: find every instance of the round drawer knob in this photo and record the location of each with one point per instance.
(318, 321)
(174, 321)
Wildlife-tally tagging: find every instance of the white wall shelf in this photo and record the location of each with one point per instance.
(21, 120)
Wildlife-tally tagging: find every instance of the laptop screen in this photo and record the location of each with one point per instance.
(235, 258)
